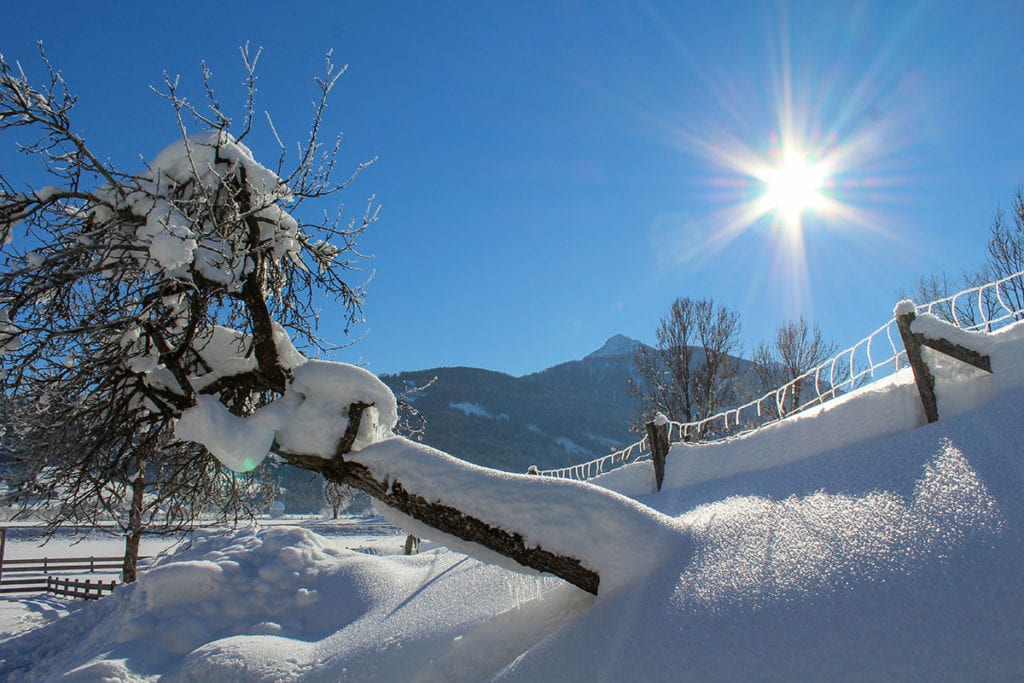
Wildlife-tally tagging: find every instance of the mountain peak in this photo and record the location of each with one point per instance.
(617, 345)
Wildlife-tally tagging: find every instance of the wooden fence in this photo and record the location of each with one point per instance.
(36, 575)
(76, 588)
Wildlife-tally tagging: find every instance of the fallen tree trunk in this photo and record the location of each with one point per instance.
(437, 515)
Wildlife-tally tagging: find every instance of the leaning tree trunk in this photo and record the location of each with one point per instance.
(130, 567)
(444, 518)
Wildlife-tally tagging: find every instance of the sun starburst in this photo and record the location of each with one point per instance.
(794, 187)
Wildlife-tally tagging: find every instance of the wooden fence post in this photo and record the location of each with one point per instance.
(3, 547)
(412, 545)
(657, 435)
(922, 375)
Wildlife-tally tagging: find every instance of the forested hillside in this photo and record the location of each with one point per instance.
(551, 418)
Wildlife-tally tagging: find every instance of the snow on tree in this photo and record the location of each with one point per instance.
(173, 297)
(126, 296)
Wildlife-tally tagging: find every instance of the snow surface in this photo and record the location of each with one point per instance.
(846, 544)
(470, 408)
(571, 446)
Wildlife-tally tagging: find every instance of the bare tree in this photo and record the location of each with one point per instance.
(689, 374)
(1005, 251)
(338, 496)
(795, 350)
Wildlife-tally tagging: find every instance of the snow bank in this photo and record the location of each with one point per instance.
(282, 604)
(895, 559)
(885, 407)
(858, 556)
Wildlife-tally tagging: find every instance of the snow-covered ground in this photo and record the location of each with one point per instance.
(850, 543)
(19, 613)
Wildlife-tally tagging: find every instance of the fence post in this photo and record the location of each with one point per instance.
(922, 375)
(3, 547)
(657, 435)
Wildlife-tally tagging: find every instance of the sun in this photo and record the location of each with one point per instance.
(794, 187)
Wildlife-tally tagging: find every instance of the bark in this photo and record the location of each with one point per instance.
(130, 568)
(964, 355)
(444, 518)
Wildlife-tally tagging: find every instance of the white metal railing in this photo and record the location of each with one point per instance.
(987, 307)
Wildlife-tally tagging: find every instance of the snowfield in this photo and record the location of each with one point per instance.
(848, 543)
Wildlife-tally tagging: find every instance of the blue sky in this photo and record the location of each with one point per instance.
(553, 173)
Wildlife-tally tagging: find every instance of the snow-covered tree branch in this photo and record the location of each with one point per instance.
(169, 298)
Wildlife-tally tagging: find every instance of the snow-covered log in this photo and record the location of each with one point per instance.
(437, 515)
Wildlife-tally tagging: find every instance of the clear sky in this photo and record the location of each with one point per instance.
(553, 173)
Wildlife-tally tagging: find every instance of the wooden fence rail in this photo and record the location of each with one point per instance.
(77, 588)
(35, 575)
(46, 565)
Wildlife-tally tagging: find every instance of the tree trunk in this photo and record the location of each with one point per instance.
(130, 568)
(442, 517)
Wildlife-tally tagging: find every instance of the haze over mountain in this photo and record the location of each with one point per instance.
(555, 417)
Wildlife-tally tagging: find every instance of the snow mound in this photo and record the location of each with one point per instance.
(896, 559)
(280, 604)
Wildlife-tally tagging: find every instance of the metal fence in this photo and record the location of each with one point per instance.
(987, 307)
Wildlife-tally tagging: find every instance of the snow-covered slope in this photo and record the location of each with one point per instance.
(834, 550)
(895, 559)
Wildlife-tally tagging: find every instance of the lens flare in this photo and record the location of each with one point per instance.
(795, 187)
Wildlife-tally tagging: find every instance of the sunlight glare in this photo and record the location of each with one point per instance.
(795, 186)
